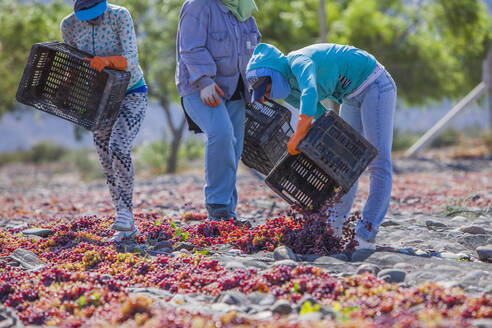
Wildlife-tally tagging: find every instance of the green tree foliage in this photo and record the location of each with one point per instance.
(289, 24)
(22, 25)
(433, 48)
(156, 23)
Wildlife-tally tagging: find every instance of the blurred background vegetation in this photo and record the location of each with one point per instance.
(434, 49)
(150, 158)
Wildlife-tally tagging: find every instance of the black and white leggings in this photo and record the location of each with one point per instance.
(114, 145)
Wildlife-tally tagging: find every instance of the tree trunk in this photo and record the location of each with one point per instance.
(177, 131)
(172, 160)
(322, 21)
(489, 83)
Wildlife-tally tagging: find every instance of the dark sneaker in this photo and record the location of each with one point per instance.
(243, 222)
(218, 211)
(217, 219)
(235, 220)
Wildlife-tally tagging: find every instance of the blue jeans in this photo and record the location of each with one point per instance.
(371, 114)
(224, 128)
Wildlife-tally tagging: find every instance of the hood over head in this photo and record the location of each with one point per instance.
(268, 56)
(268, 61)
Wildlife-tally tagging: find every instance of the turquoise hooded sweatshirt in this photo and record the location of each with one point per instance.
(316, 72)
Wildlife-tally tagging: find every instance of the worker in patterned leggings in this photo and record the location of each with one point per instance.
(106, 31)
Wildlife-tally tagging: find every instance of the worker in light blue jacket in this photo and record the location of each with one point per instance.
(215, 41)
(348, 76)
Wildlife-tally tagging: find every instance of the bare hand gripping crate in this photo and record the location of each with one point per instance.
(267, 132)
(333, 156)
(57, 80)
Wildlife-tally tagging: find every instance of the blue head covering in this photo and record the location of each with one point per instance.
(258, 86)
(280, 86)
(89, 9)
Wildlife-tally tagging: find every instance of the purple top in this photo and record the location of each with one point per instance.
(212, 46)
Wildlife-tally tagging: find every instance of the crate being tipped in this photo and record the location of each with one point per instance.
(267, 132)
(57, 80)
(333, 157)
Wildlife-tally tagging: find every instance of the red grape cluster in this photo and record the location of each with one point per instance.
(5, 289)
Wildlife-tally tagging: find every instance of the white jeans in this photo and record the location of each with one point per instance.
(113, 146)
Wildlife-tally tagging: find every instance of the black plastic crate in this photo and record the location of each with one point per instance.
(57, 80)
(338, 149)
(333, 157)
(297, 179)
(267, 132)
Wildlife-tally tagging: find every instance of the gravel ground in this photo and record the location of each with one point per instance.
(438, 227)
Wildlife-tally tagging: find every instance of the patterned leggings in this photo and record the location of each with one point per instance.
(113, 146)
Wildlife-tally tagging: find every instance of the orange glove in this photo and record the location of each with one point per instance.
(302, 129)
(114, 62)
